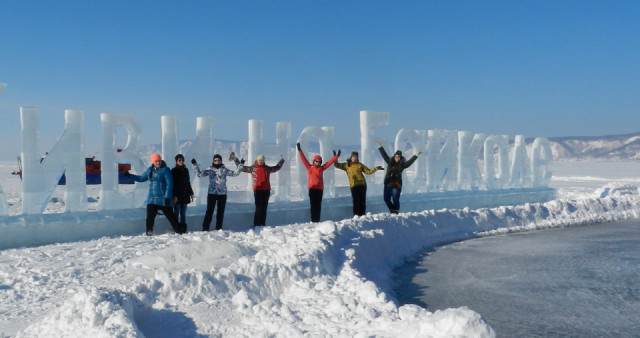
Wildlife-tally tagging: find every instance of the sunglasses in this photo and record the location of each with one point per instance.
(318, 161)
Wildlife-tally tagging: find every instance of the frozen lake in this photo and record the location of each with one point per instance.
(580, 282)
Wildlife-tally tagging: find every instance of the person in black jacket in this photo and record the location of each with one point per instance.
(393, 177)
(182, 192)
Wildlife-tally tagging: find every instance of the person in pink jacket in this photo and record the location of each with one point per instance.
(316, 182)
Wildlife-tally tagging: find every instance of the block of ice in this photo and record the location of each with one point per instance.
(496, 148)
(442, 162)
(110, 196)
(520, 172)
(469, 146)
(201, 149)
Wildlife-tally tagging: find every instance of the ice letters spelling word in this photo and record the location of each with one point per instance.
(451, 161)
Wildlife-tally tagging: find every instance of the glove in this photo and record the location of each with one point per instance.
(298, 146)
(380, 167)
(167, 201)
(334, 153)
(127, 174)
(242, 161)
(339, 152)
(193, 161)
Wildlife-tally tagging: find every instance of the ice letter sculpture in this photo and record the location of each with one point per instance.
(110, 197)
(441, 160)
(418, 141)
(41, 174)
(369, 121)
(520, 174)
(170, 146)
(324, 136)
(541, 159)
(469, 174)
(496, 178)
(201, 149)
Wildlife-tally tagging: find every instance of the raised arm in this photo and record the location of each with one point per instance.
(196, 169)
(237, 171)
(413, 158)
(383, 153)
(302, 157)
(277, 166)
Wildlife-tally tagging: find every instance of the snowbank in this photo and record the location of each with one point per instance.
(325, 279)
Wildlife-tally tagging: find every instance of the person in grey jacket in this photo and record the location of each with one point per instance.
(160, 193)
(217, 192)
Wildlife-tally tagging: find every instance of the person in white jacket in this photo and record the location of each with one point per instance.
(217, 193)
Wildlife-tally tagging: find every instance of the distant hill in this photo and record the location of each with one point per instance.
(569, 148)
(602, 148)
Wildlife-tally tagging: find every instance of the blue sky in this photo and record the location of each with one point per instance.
(537, 68)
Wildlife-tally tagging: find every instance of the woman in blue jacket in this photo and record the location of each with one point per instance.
(160, 193)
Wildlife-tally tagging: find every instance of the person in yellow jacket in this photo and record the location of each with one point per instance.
(357, 182)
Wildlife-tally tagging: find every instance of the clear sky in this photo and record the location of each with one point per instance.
(537, 68)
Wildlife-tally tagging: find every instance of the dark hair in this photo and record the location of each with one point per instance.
(179, 156)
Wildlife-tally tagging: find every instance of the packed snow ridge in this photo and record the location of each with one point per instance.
(307, 279)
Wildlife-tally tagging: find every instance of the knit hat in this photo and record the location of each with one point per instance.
(399, 153)
(318, 158)
(260, 157)
(354, 153)
(155, 157)
(218, 157)
(179, 156)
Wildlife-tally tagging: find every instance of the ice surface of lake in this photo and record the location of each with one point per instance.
(573, 282)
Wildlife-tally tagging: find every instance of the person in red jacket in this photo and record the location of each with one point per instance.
(261, 186)
(316, 182)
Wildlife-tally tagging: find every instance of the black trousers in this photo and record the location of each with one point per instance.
(359, 198)
(262, 202)
(152, 211)
(315, 200)
(212, 200)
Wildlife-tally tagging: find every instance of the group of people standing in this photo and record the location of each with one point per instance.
(170, 190)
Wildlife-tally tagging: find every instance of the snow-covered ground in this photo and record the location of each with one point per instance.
(328, 279)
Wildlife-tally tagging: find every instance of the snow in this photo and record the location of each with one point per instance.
(332, 278)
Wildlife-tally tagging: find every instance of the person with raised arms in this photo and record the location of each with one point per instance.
(217, 192)
(261, 186)
(393, 177)
(316, 182)
(357, 182)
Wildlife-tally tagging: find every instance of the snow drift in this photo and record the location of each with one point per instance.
(326, 279)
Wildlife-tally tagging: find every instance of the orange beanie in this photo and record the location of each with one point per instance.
(155, 157)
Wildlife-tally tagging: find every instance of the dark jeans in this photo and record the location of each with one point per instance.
(262, 202)
(181, 212)
(152, 211)
(212, 199)
(315, 200)
(392, 198)
(359, 198)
